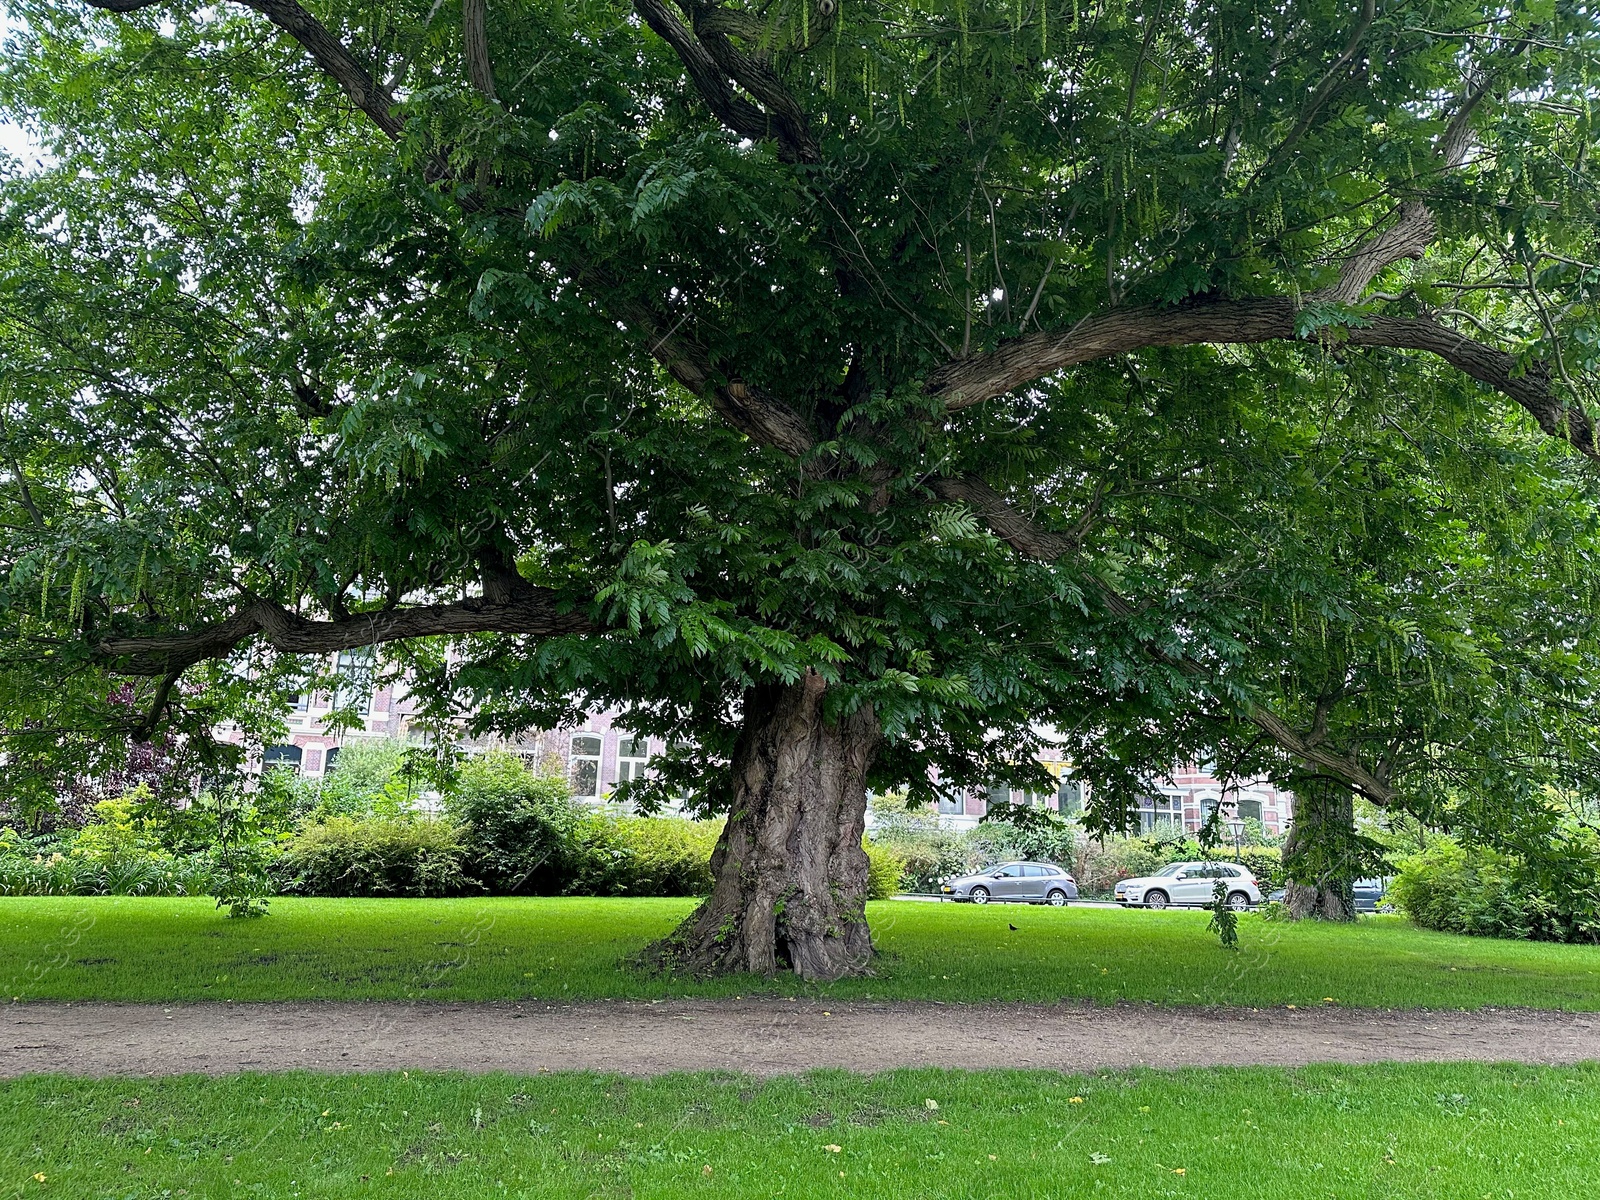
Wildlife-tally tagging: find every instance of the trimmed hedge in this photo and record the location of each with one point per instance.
(617, 855)
(344, 856)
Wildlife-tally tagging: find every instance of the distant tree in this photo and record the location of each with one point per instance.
(841, 391)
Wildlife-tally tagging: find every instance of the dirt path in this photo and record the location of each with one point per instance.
(761, 1037)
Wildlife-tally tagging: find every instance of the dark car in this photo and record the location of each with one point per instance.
(1024, 882)
(1368, 894)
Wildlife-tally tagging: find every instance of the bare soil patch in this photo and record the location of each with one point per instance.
(758, 1037)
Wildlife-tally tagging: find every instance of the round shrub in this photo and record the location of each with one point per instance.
(520, 827)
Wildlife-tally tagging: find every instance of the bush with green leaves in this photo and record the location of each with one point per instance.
(886, 871)
(375, 856)
(619, 855)
(928, 851)
(120, 853)
(372, 777)
(521, 827)
(1553, 896)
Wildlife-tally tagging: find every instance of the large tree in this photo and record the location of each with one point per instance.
(841, 391)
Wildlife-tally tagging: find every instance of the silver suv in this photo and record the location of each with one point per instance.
(1028, 882)
(1189, 883)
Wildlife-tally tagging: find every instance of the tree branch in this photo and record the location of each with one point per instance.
(788, 120)
(535, 611)
(737, 113)
(715, 64)
(475, 46)
(753, 412)
(1018, 531)
(329, 53)
(1027, 537)
(1408, 237)
(1330, 83)
(1414, 231)
(1022, 360)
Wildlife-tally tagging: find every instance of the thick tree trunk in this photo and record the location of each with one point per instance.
(790, 876)
(1319, 855)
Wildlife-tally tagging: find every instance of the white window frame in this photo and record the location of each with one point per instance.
(574, 758)
(631, 765)
(362, 664)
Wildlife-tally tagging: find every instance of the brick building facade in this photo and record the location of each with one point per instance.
(598, 754)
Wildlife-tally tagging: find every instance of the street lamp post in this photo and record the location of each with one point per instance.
(1236, 827)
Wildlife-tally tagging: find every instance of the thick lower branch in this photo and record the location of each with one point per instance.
(535, 611)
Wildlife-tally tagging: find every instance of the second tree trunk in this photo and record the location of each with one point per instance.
(1322, 856)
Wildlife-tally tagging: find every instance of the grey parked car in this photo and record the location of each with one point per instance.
(1027, 882)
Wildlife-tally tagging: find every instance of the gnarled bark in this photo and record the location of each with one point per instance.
(790, 876)
(1322, 856)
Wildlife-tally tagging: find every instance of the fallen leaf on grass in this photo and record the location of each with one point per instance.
(832, 1149)
(1099, 1159)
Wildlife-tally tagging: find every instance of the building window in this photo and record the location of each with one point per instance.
(1069, 797)
(1009, 795)
(583, 766)
(1249, 810)
(282, 757)
(633, 755)
(949, 803)
(355, 680)
(330, 760)
(299, 701)
(1160, 813)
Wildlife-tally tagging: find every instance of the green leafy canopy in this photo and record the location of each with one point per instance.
(1195, 378)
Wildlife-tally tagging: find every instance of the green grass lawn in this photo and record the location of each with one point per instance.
(115, 948)
(1326, 1132)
